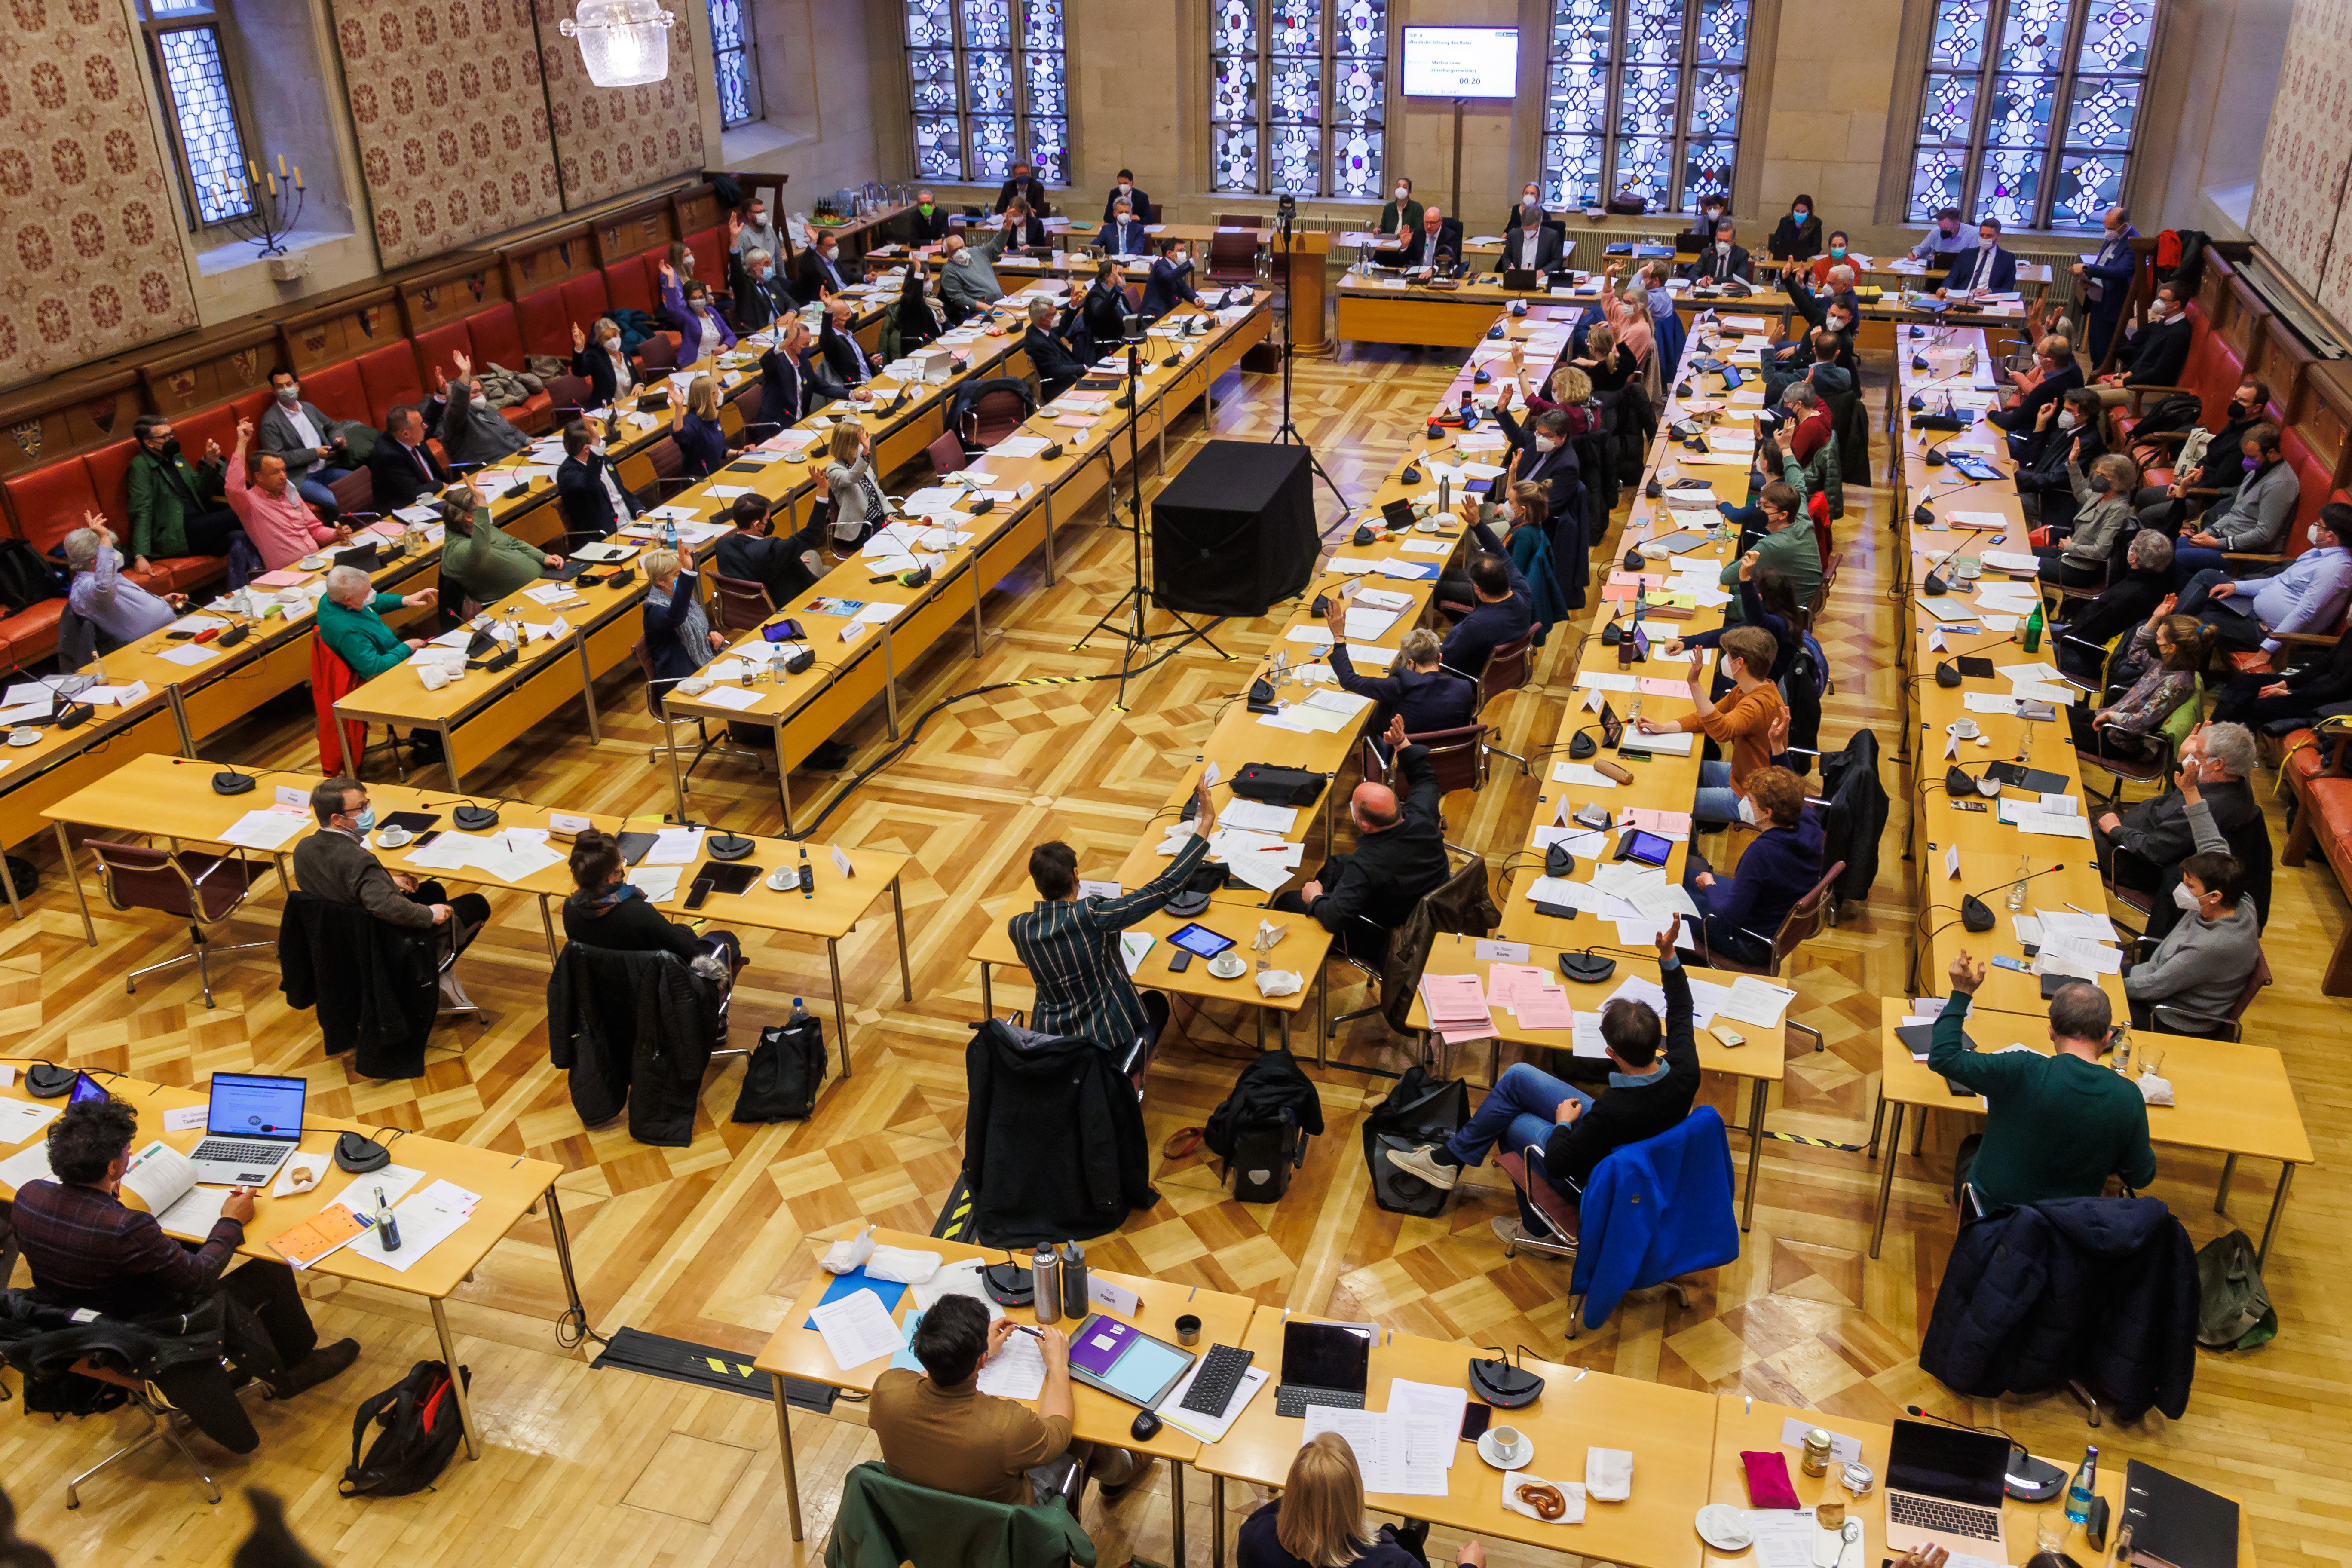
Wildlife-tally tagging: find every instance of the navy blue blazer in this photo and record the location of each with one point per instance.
(702, 444)
(1964, 266)
(1168, 284)
(1128, 238)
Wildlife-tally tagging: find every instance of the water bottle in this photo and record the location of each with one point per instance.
(1073, 1282)
(1047, 1275)
(808, 875)
(385, 1226)
(2017, 888)
(2033, 631)
(2086, 1483)
(670, 533)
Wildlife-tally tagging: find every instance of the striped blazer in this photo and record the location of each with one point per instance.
(1070, 947)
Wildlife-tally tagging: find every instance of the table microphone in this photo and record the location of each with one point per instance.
(1932, 584)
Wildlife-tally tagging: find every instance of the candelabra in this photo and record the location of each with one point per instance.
(266, 222)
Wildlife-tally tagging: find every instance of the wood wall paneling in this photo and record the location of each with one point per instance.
(452, 293)
(87, 413)
(549, 260)
(345, 330)
(216, 371)
(636, 227)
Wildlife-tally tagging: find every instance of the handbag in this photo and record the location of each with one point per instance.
(1420, 1110)
(1275, 786)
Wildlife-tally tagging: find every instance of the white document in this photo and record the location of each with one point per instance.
(1017, 1370)
(857, 1329)
(1643, 932)
(511, 858)
(160, 1175)
(1368, 625)
(737, 698)
(1606, 680)
(1347, 704)
(1583, 774)
(1208, 1428)
(2077, 924)
(675, 846)
(266, 829)
(1663, 743)
(1755, 1001)
(21, 1118)
(195, 1211)
(30, 1163)
(1430, 1411)
(657, 883)
(1634, 988)
(1257, 816)
(189, 655)
(1132, 946)
(423, 1223)
(1380, 1449)
(2085, 960)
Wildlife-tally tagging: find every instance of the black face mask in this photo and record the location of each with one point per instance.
(2237, 410)
(170, 450)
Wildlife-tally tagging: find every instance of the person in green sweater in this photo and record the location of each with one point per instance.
(1786, 545)
(2055, 1126)
(482, 558)
(351, 620)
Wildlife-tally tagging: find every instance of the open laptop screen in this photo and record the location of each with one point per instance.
(1325, 1355)
(248, 1105)
(1945, 1462)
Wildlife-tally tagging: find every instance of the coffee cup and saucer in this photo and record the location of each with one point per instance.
(1227, 966)
(392, 837)
(1507, 1448)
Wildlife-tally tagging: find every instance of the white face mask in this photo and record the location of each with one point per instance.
(1401, 192)
(1984, 244)
(2158, 309)
(1747, 811)
(1838, 326)
(1124, 188)
(2066, 421)
(2184, 898)
(1545, 443)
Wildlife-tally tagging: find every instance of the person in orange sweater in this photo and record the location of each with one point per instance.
(1741, 724)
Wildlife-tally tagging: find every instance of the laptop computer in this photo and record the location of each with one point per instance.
(1944, 1489)
(1522, 277)
(1322, 1363)
(252, 1122)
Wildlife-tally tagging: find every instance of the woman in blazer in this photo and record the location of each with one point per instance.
(700, 440)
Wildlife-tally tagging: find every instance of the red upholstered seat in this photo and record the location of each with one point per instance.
(2304, 755)
(32, 634)
(709, 248)
(627, 286)
(545, 328)
(390, 377)
(496, 338)
(2313, 473)
(216, 425)
(250, 405)
(109, 481)
(434, 350)
(2330, 801)
(584, 302)
(339, 390)
(49, 503)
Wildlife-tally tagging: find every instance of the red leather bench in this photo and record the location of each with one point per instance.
(390, 378)
(2324, 814)
(497, 339)
(545, 327)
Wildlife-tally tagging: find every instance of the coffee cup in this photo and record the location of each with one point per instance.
(1188, 1329)
(392, 837)
(1508, 1444)
(1966, 729)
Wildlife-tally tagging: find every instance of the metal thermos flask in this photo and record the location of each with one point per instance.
(1047, 1275)
(1073, 1282)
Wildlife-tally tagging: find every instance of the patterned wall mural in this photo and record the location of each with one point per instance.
(2299, 194)
(90, 254)
(453, 132)
(613, 139)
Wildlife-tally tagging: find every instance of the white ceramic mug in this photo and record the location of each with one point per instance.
(1966, 729)
(1508, 1442)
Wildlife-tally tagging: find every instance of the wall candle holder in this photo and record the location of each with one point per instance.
(266, 222)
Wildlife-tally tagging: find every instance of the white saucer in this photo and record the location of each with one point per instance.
(1724, 1527)
(311, 563)
(24, 735)
(1227, 966)
(1488, 1451)
(385, 839)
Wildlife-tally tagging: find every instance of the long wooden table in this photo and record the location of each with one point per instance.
(794, 1350)
(2231, 1098)
(172, 798)
(509, 1187)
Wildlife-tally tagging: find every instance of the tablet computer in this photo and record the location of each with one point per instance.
(1124, 1362)
(1974, 467)
(1649, 848)
(1612, 728)
(1199, 940)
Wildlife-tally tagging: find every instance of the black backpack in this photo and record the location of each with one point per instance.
(25, 579)
(1420, 1110)
(421, 1433)
(786, 1069)
(1261, 1129)
(2180, 411)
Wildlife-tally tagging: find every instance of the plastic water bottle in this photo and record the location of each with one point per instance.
(776, 664)
(386, 1226)
(2017, 888)
(2086, 1483)
(670, 533)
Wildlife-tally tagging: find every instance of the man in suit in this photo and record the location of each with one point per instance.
(821, 276)
(1361, 896)
(2105, 281)
(1069, 944)
(1057, 368)
(1986, 269)
(1422, 691)
(2223, 758)
(791, 388)
(1023, 228)
(591, 500)
(928, 221)
(1401, 217)
(1126, 191)
(1170, 280)
(299, 434)
(1528, 243)
(1435, 236)
(850, 364)
(1021, 186)
(2154, 354)
(1505, 606)
(1722, 260)
(1124, 233)
(2060, 376)
(784, 567)
(1530, 196)
(1104, 307)
(403, 466)
(759, 295)
(335, 864)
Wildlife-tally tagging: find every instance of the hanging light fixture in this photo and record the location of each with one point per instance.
(623, 43)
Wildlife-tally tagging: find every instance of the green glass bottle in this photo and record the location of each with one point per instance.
(2033, 631)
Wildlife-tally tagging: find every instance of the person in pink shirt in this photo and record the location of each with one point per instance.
(276, 517)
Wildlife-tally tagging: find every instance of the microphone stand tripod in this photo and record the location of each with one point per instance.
(1137, 600)
(1287, 433)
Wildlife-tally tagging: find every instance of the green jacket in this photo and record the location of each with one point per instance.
(1823, 475)
(2055, 1126)
(157, 514)
(490, 564)
(1401, 224)
(1793, 552)
(359, 639)
(884, 1522)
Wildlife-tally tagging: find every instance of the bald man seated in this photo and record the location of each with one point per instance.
(1399, 859)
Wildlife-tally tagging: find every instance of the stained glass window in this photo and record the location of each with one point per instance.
(735, 62)
(1643, 96)
(992, 88)
(1297, 95)
(200, 102)
(2029, 109)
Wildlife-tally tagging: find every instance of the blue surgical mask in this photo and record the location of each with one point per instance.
(365, 820)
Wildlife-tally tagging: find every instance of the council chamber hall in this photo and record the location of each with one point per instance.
(1310, 784)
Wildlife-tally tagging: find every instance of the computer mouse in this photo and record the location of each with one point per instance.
(1145, 1423)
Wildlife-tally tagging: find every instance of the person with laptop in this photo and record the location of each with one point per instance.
(1653, 1077)
(335, 864)
(90, 1252)
(1318, 1520)
(1532, 245)
(2055, 1126)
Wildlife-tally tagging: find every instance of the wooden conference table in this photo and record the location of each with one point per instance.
(2231, 1098)
(509, 1186)
(798, 1351)
(172, 797)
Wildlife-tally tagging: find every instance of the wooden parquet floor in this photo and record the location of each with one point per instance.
(711, 1242)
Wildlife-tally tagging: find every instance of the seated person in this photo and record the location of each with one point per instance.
(1419, 689)
(482, 558)
(1741, 723)
(701, 439)
(1170, 281)
(1568, 391)
(1567, 1131)
(1318, 1520)
(177, 508)
(821, 273)
(2158, 830)
(1123, 232)
(1433, 234)
(1530, 244)
(2202, 964)
(2054, 374)
(335, 864)
(404, 467)
(1128, 194)
(1943, 241)
(2254, 521)
(350, 622)
(1070, 945)
(760, 294)
(2068, 430)
(2155, 354)
(1607, 363)
(273, 513)
(791, 388)
(2166, 653)
(2077, 558)
(917, 318)
(937, 1430)
(1808, 461)
(1784, 542)
(1839, 254)
(2301, 696)
(1742, 916)
(1823, 359)
(607, 911)
(928, 221)
(2203, 459)
(1362, 895)
(836, 340)
(1766, 602)
(678, 634)
(1986, 269)
(1543, 456)
(848, 480)
(968, 282)
(1501, 606)
(2141, 591)
(121, 610)
(784, 567)
(471, 431)
(2309, 595)
(2055, 1126)
(309, 444)
(1024, 228)
(1721, 261)
(1797, 236)
(605, 365)
(90, 1252)
(1050, 355)
(588, 493)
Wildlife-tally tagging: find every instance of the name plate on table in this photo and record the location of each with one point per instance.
(1101, 1292)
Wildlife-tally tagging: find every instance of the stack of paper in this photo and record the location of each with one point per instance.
(1457, 1008)
(1397, 1454)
